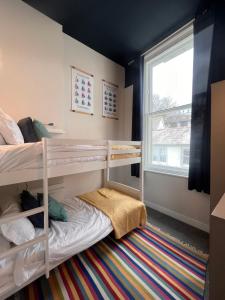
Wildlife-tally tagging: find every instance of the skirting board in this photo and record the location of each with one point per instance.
(178, 216)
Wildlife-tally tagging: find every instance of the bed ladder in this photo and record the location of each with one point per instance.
(42, 209)
(16, 216)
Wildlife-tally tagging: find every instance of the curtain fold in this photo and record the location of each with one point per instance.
(134, 76)
(199, 166)
(209, 67)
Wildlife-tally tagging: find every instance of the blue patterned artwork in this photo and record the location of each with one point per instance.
(82, 91)
(109, 100)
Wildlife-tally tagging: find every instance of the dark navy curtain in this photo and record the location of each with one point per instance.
(134, 76)
(209, 67)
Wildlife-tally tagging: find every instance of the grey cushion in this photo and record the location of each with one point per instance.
(27, 128)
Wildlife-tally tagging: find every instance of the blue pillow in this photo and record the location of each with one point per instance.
(41, 130)
(56, 211)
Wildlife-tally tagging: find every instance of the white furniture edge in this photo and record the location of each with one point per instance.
(219, 210)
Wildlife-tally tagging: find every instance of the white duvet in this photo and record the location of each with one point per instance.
(86, 225)
(29, 156)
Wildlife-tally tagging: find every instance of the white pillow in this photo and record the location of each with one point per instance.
(2, 141)
(10, 130)
(18, 231)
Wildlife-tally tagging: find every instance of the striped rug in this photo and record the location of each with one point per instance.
(146, 264)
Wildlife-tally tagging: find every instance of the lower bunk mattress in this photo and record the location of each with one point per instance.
(86, 225)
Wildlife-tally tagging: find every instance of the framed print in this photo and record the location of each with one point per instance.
(109, 100)
(82, 91)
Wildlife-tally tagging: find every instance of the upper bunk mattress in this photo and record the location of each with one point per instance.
(29, 156)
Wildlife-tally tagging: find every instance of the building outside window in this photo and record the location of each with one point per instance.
(168, 96)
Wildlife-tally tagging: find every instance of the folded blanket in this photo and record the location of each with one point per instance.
(125, 155)
(125, 212)
(124, 147)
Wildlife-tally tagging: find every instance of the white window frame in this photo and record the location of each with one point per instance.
(181, 38)
(182, 155)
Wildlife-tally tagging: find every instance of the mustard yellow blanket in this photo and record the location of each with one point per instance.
(125, 155)
(125, 212)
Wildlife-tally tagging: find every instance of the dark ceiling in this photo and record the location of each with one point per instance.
(119, 29)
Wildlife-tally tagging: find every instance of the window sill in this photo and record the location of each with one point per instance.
(167, 173)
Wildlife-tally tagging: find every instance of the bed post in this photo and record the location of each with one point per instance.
(45, 190)
(106, 171)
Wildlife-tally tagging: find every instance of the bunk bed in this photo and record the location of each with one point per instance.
(52, 158)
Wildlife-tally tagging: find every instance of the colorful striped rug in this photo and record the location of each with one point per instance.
(146, 264)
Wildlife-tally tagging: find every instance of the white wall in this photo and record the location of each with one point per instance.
(31, 63)
(169, 194)
(35, 78)
(35, 72)
(80, 125)
(166, 193)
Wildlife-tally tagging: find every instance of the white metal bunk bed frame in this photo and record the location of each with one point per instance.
(47, 172)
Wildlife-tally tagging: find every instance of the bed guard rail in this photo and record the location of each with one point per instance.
(121, 153)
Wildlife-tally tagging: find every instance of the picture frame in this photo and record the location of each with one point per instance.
(109, 100)
(82, 99)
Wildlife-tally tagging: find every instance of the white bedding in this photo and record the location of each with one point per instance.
(29, 156)
(86, 225)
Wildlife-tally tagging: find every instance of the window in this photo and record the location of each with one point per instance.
(168, 96)
(159, 154)
(185, 156)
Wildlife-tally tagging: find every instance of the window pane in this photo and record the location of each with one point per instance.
(171, 138)
(172, 81)
(186, 156)
(169, 75)
(159, 154)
